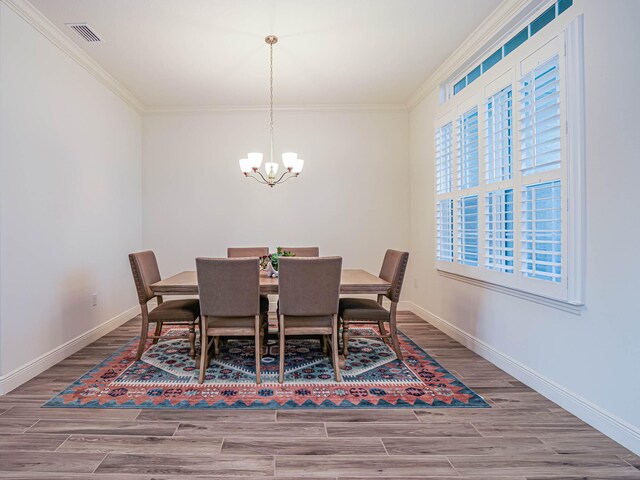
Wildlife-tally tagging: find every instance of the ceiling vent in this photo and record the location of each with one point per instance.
(85, 31)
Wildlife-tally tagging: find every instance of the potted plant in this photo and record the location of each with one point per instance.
(269, 263)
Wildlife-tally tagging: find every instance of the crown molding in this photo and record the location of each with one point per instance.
(484, 36)
(391, 107)
(43, 25)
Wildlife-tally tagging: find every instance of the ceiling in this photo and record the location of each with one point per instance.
(202, 53)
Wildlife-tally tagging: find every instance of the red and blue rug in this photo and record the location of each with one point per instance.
(166, 377)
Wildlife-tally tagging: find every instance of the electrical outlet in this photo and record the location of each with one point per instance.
(94, 300)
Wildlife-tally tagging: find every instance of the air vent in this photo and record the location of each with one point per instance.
(85, 31)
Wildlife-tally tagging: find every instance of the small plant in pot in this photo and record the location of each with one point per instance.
(269, 263)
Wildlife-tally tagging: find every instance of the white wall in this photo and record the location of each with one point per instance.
(351, 199)
(70, 180)
(591, 358)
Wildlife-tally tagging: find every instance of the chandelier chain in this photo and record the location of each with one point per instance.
(271, 95)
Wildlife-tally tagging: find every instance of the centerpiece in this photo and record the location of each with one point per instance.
(269, 263)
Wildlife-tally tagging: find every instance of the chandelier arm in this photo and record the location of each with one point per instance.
(282, 176)
(290, 176)
(264, 180)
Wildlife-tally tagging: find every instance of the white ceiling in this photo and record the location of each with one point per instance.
(195, 53)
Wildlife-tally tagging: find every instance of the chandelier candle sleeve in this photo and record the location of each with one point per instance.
(292, 164)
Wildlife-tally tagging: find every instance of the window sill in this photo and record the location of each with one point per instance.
(574, 308)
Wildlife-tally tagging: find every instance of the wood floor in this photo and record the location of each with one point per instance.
(524, 435)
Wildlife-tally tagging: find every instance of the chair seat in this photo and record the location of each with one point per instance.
(362, 309)
(186, 310)
(264, 303)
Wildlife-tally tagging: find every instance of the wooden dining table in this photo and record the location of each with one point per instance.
(352, 281)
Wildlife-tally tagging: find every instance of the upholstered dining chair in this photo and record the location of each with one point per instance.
(144, 267)
(367, 311)
(303, 251)
(235, 252)
(230, 304)
(309, 290)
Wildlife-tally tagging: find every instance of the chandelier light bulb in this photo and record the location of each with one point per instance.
(288, 159)
(255, 159)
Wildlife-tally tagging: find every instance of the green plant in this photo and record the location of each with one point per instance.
(280, 252)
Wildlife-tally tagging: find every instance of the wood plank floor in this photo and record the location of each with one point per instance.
(524, 435)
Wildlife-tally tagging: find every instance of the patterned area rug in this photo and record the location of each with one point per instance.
(166, 377)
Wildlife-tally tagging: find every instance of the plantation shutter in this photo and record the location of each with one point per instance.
(539, 106)
(444, 158)
(541, 241)
(444, 226)
(499, 232)
(468, 149)
(468, 230)
(498, 135)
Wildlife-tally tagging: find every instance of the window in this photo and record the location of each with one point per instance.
(445, 230)
(468, 149)
(499, 231)
(444, 158)
(498, 135)
(468, 230)
(512, 216)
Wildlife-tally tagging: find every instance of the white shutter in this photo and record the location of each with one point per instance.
(444, 225)
(444, 158)
(468, 230)
(541, 236)
(468, 149)
(499, 135)
(499, 231)
(539, 108)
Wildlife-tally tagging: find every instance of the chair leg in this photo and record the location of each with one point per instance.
(394, 338)
(325, 344)
(258, 348)
(157, 332)
(383, 332)
(282, 348)
(345, 338)
(143, 337)
(192, 339)
(265, 329)
(216, 345)
(204, 347)
(334, 349)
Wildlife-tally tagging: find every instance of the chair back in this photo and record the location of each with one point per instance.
(393, 270)
(228, 287)
(309, 286)
(303, 251)
(235, 252)
(145, 272)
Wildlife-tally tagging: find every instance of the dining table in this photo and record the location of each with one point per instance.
(352, 281)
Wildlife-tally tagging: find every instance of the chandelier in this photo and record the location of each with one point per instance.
(292, 164)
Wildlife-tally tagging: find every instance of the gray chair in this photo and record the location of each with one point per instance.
(303, 251)
(172, 312)
(230, 304)
(309, 290)
(366, 311)
(236, 252)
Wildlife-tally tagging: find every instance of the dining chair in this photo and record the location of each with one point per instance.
(230, 304)
(367, 311)
(309, 290)
(303, 251)
(144, 267)
(235, 252)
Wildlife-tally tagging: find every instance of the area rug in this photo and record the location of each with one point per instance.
(167, 378)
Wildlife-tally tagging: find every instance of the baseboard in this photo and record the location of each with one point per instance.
(35, 367)
(614, 427)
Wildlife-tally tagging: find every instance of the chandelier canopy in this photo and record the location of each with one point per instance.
(292, 164)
